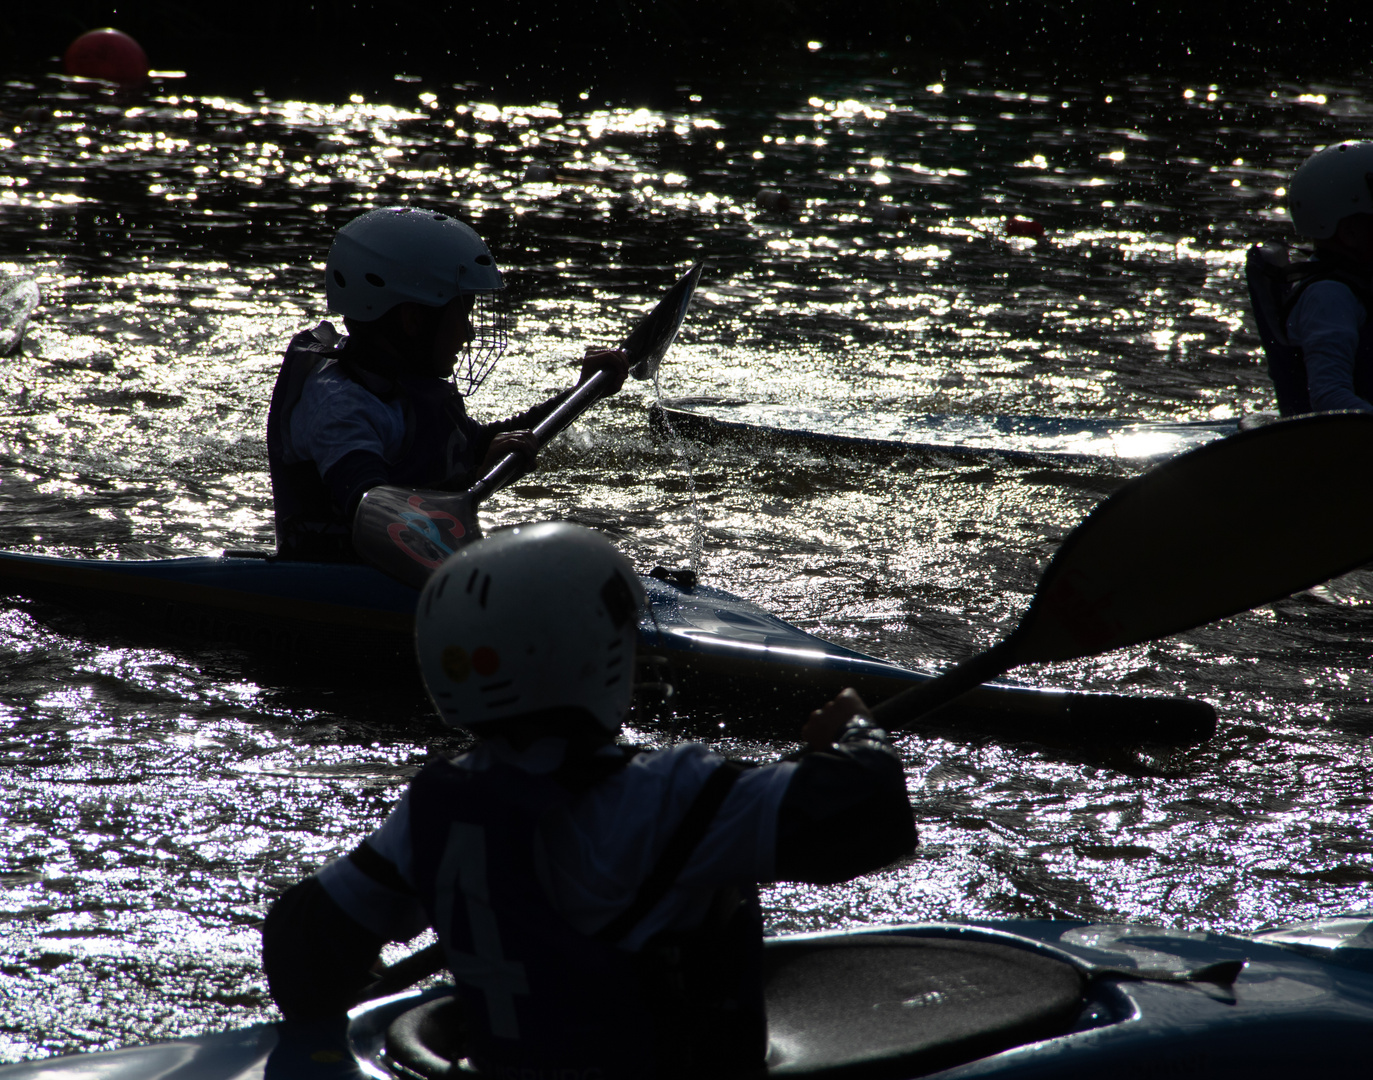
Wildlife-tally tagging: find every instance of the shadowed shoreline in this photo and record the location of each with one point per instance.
(638, 51)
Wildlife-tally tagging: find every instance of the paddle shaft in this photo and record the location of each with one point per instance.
(405, 972)
(514, 465)
(921, 700)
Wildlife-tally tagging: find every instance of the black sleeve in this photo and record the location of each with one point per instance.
(845, 811)
(528, 419)
(525, 421)
(318, 961)
(351, 477)
(480, 436)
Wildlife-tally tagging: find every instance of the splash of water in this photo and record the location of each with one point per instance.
(696, 547)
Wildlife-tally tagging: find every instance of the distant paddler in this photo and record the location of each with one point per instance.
(385, 404)
(1313, 315)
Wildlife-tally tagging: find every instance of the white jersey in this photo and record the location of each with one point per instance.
(593, 854)
(336, 416)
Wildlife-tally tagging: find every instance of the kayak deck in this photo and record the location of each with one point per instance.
(989, 999)
(719, 649)
(1013, 437)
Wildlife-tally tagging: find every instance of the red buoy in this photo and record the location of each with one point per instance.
(1017, 226)
(107, 54)
(769, 199)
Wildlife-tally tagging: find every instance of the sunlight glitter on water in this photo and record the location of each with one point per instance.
(181, 246)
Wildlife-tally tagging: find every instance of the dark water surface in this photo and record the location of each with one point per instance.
(157, 797)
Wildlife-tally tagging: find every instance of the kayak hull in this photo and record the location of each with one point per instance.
(1128, 1000)
(719, 649)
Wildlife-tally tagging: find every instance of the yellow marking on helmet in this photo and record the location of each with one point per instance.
(455, 663)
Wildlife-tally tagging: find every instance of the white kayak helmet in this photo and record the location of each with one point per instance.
(534, 618)
(1330, 185)
(402, 254)
(399, 253)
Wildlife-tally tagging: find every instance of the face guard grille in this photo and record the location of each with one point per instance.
(491, 326)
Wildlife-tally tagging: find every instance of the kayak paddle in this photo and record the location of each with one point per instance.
(1230, 526)
(408, 532)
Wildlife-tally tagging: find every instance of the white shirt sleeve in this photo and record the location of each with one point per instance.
(1325, 323)
(336, 416)
(391, 915)
(594, 856)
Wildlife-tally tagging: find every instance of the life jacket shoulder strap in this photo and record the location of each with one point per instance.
(685, 839)
(1307, 274)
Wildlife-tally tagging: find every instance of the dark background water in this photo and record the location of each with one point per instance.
(158, 795)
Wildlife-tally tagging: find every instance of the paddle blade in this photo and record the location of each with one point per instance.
(1233, 525)
(408, 533)
(648, 342)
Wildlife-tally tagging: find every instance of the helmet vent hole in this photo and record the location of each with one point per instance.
(482, 260)
(486, 587)
(339, 280)
(372, 279)
(440, 217)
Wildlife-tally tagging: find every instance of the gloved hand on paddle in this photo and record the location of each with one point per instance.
(823, 726)
(614, 361)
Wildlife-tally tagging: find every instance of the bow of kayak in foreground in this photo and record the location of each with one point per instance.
(719, 649)
(1004, 999)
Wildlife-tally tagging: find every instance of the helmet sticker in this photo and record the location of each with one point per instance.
(455, 663)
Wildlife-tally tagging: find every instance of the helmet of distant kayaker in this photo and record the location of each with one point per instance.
(537, 620)
(1330, 185)
(403, 254)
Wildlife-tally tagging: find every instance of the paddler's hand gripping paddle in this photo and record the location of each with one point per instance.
(1230, 526)
(408, 533)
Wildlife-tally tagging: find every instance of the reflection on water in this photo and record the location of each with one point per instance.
(860, 263)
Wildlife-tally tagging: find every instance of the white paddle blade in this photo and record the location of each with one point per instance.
(408, 533)
(649, 341)
(1233, 525)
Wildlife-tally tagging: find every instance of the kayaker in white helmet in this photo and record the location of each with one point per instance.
(597, 905)
(1312, 316)
(383, 405)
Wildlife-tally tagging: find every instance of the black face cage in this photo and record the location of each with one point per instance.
(491, 325)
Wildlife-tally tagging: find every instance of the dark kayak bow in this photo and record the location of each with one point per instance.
(304, 620)
(408, 533)
(1233, 525)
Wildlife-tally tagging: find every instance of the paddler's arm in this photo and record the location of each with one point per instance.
(318, 961)
(322, 937)
(352, 476)
(487, 442)
(845, 811)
